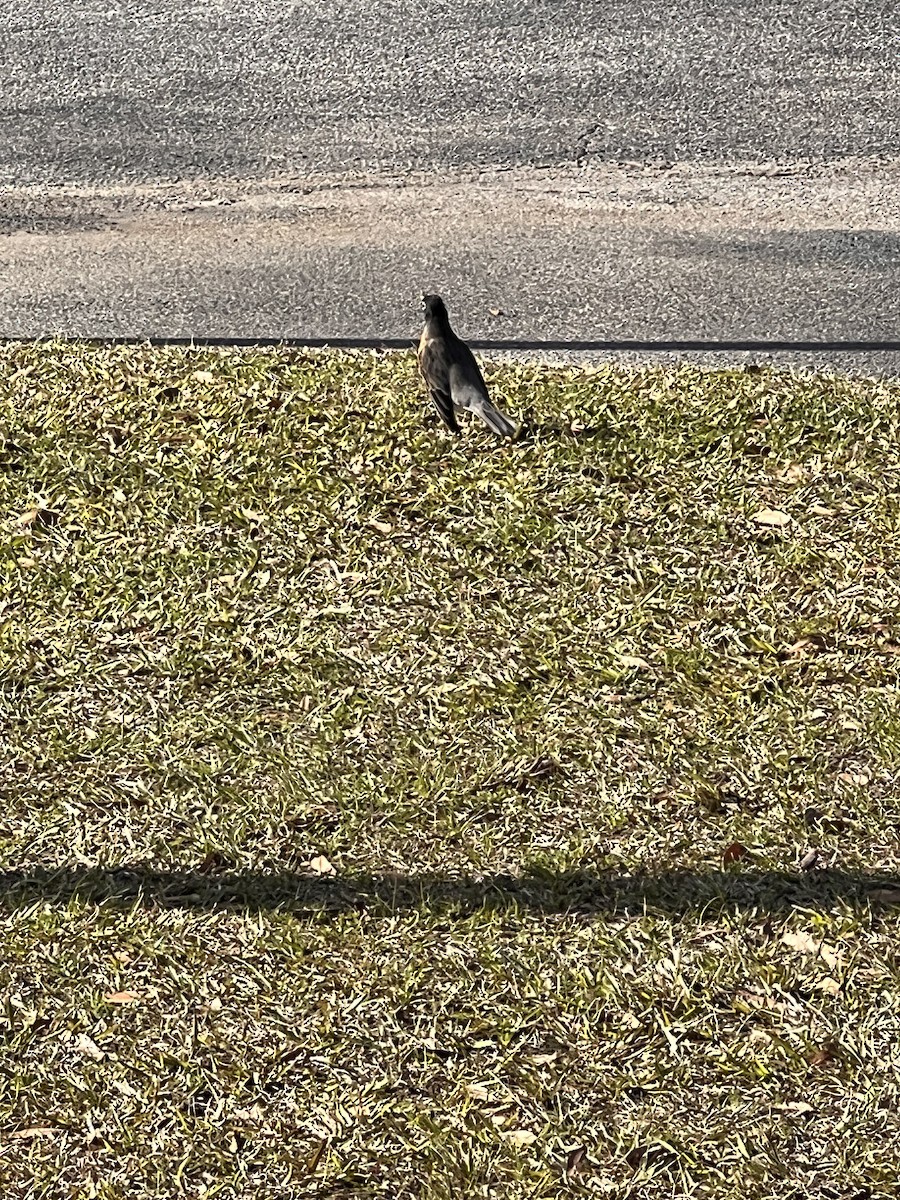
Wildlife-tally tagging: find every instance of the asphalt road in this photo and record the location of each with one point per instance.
(563, 171)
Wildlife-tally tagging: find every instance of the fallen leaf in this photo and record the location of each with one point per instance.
(733, 852)
(37, 516)
(793, 473)
(809, 860)
(381, 526)
(496, 312)
(819, 510)
(634, 660)
(771, 517)
(647, 1154)
(824, 1055)
(574, 1159)
(255, 1113)
(321, 865)
(122, 997)
(805, 943)
(203, 376)
(519, 1137)
(829, 986)
(477, 1091)
(541, 1060)
(759, 1037)
(89, 1047)
(747, 999)
(886, 895)
(541, 768)
(799, 648)
(313, 1161)
(31, 1131)
(213, 861)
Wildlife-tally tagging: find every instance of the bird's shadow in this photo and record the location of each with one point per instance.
(673, 893)
(531, 432)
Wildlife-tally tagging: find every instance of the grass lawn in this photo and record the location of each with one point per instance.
(393, 815)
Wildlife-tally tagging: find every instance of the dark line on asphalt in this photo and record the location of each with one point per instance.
(372, 343)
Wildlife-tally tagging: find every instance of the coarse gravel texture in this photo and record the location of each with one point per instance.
(243, 89)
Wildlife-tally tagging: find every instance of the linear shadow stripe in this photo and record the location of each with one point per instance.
(374, 343)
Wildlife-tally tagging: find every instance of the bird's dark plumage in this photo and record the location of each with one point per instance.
(452, 375)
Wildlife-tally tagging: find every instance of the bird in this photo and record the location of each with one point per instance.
(451, 374)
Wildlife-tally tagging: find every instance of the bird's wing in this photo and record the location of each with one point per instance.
(465, 380)
(444, 406)
(469, 391)
(435, 368)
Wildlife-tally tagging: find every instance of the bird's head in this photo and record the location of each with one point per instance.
(434, 308)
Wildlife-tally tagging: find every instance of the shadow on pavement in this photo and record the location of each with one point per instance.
(509, 345)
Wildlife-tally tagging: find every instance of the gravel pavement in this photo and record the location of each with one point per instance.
(564, 172)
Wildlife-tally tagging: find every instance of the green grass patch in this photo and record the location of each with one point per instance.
(393, 815)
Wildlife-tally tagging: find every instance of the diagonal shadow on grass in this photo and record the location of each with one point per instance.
(673, 893)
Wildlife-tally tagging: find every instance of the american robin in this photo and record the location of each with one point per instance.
(451, 374)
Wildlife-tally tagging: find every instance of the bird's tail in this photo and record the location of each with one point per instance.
(496, 420)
